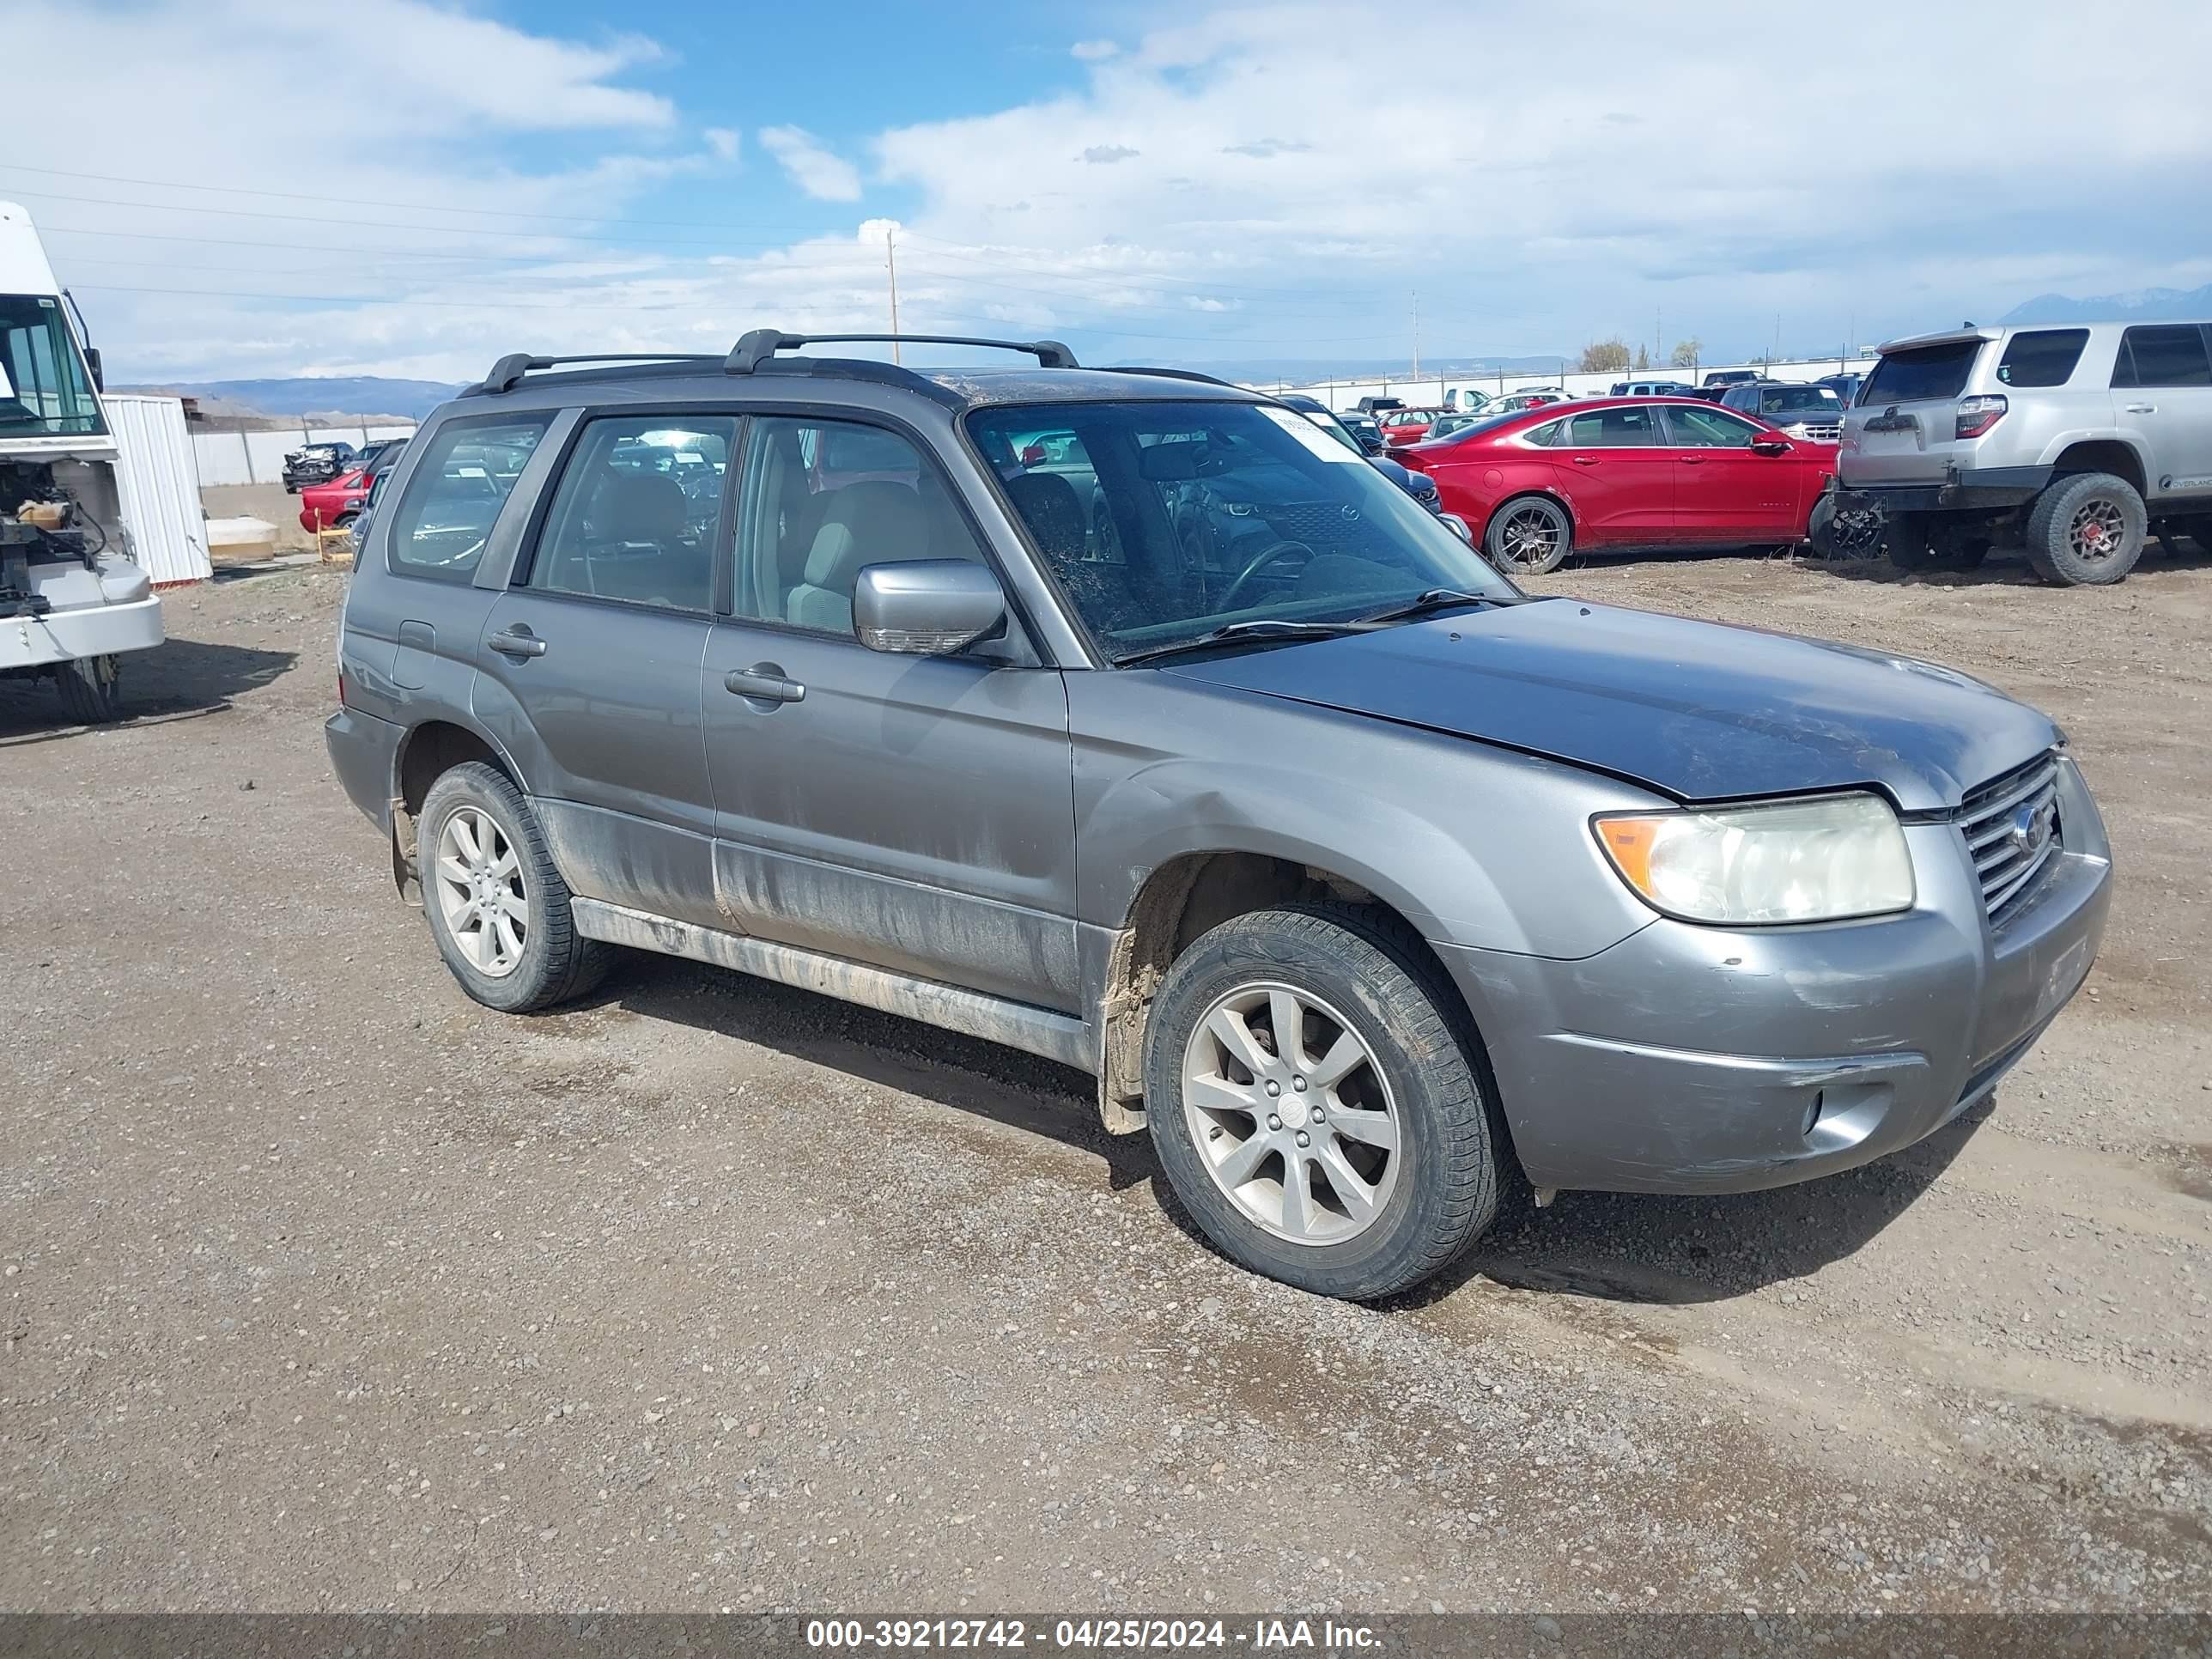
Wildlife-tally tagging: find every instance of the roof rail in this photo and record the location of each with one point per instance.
(1171, 374)
(507, 373)
(761, 345)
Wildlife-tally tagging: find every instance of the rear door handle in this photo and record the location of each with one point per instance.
(1693, 461)
(2143, 409)
(765, 683)
(1585, 460)
(517, 642)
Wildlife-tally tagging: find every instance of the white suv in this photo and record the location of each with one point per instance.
(2077, 441)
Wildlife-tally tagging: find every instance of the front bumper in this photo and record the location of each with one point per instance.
(71, 632)
(1688, 1059)
(1982, 489)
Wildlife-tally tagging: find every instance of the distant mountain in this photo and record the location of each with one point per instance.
(1309, 371)
(2147, 305)
(354, 394)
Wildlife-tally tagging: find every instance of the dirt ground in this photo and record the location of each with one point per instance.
(326, 1289)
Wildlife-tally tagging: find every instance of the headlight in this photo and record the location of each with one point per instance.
(1801, 860)
(1797, 428)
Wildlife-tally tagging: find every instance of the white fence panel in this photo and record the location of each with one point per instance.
(257, 458)
(159, 482)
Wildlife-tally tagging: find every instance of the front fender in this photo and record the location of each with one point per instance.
(1472, 844)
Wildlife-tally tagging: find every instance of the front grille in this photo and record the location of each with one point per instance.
(1825, 432)
(2012, 830)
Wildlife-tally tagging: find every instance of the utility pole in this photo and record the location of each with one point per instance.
(890, 264)
(1416, 334)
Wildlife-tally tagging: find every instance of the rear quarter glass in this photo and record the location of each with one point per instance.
(2042, 357)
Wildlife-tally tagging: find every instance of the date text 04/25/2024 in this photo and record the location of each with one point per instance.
(1091, 1634)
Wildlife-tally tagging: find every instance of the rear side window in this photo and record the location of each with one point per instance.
(1923, 373)
(1614, 428)
(637, 511)
(2172, 354)
(454, 498)
(2043, 356)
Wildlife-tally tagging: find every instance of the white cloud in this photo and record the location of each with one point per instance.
(819, 172)
(725, 141)
(1092, 51)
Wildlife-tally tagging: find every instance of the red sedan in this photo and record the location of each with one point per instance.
(1401, 426)
(1539, 484)
(337, 500)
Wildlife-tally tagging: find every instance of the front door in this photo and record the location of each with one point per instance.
(588, 666)
(2162, 396)
(1618, 475)
(1725, 492)
(914, 813)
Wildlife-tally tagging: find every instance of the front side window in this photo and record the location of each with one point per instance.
(1219, 512)
(2042, 357)
(822, 500)
(2169, 354)
(456, 493)
(636, 514)
(44, 390)
(1708, 428)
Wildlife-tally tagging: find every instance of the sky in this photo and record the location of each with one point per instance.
(413, 187)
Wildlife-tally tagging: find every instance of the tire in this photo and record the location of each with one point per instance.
(2070, 512)
(1530, 536)
(92, 690)
(553, 964)
(1859, 535)
(1352, 978)
(344, 520)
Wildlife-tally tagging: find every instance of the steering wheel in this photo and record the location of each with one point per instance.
(1259, 562)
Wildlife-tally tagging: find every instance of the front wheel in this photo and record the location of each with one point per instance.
(2086, 530)
(92, 690)
(1530, 536)
(1314, 1107)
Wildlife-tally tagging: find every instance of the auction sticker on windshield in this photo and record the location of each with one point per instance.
(1303, 430)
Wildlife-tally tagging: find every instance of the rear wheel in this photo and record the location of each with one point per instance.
(2086, 530)
(1312, 1106)
(498, 907)
(1530, 536)
(1836, 532)
(92, 690)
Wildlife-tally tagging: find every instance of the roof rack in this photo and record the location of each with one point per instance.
(507, 373)
(761, 345)
(1171, 374)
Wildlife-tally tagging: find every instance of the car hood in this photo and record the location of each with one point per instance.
(1692, 709)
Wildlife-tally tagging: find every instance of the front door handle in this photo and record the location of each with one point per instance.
(517, 642)
(2143, 409)
(765, 683)
(1585, 460)
(1692, 460)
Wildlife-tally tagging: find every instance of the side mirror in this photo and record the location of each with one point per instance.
(1770, 443)
(91, 367)
(927, 607)
(1460, 527)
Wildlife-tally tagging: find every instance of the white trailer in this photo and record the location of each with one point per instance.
(73, 601)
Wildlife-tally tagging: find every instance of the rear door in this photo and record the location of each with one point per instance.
(588, 664)
(1905, 428)
(2162, 397)
(1618, 475)
(1726, 493)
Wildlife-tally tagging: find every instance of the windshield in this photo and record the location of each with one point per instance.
(1790, 399)
(44, 392)
(1167, 520)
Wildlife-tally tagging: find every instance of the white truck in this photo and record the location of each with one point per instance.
(72, 600)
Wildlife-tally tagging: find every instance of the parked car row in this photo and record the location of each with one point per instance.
(337, 502)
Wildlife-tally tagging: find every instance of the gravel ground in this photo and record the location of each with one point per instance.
(325, 1289)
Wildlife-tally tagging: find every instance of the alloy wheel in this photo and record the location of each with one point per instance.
(2099, 529)
(1530, 536)
(1291, 1116)
(480, 891)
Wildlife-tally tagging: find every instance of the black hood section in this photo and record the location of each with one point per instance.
(1692, 709)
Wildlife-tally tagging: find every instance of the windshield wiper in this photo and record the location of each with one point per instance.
(1438, 598)
(1264, 627)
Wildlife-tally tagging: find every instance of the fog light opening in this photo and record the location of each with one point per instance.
(1813, 1112)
